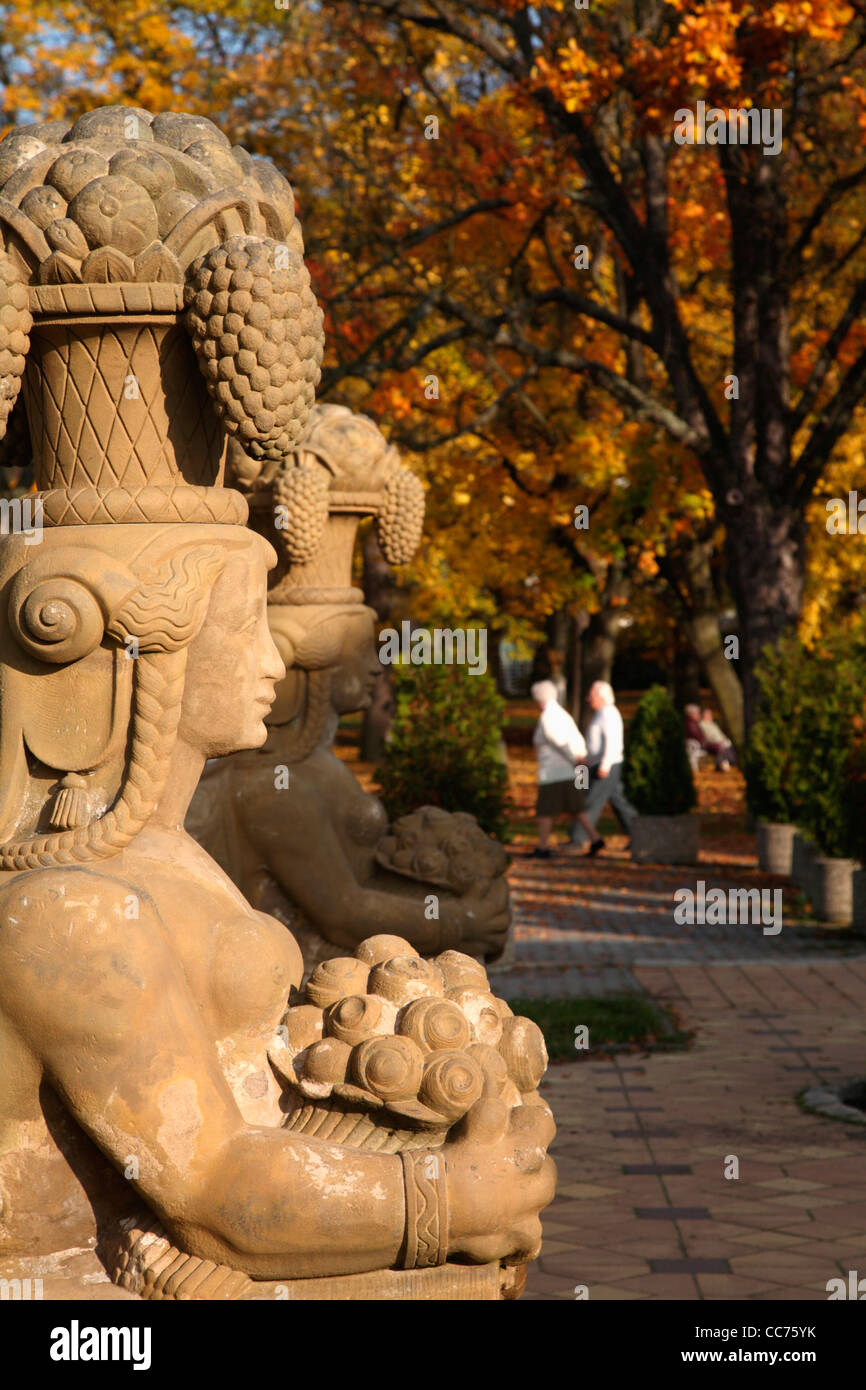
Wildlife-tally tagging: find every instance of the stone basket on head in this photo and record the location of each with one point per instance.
(134, 246)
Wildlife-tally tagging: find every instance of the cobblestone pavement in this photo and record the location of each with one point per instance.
(584, 925)
(644, 1208)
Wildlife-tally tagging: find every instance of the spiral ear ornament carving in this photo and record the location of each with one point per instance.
(56, 619)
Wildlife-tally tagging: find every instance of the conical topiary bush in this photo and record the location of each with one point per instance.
(659, 783)
(657, 774)
(444, 746)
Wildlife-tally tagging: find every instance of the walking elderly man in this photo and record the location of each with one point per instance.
(604, 742)
(561, 751)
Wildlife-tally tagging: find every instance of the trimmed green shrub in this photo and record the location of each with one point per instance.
(801, 739)
(773, 789)
(444, 747)
(854, 794)
(658, 778)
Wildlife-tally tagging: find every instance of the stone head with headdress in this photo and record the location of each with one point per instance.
(310, 505)
(154, 303)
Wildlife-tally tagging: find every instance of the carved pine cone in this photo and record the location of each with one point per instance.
(303, 492)
(257, 332)
(15, 325)
(401, 517)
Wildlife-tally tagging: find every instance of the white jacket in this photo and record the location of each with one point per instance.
(605, 738)
(558, 743)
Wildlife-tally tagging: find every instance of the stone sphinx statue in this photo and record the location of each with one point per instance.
(168, 1098)
(289, 822)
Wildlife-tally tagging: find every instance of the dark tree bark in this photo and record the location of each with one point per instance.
(687, 674)
(580, 622)
(762, 511)
(689, 575)
(601, 635)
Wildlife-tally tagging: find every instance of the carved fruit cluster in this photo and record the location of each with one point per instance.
(15, 325)
(302, 493)
(413, 1043)
(122, 195)
(257, 331)
(442, 847)
(400, 520)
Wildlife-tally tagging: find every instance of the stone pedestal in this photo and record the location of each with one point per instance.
(858, 901)
(665, 839)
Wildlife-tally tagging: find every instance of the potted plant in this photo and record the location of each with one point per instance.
(854, 818)
(444, 746)
(445, 750)
(659, 784)
(795, 766)
(768, 766)
(831, 696)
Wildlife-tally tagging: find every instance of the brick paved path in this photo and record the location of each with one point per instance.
(583, 925)
(643, 1208)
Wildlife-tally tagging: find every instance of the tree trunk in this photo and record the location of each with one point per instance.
(600, 638)
(687, 673)
(578, 626)
(766, 565)
(691, 576)
(705, 640)
(762, 515)
(379, 594)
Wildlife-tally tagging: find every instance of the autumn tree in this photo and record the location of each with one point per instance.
(717, 255)
(540, 294)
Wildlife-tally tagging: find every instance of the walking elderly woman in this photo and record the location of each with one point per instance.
(605, 757)
(561, 751)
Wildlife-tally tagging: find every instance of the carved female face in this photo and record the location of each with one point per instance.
(357, 666)
(233, 664)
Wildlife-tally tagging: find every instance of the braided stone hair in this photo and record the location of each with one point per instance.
(163, 616)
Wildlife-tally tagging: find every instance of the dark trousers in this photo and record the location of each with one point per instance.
(601, 791)
(723, 753)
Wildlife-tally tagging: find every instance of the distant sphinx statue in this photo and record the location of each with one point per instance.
(289, 822)
(168, 1097)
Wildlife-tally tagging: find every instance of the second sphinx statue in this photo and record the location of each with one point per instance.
(289, 822)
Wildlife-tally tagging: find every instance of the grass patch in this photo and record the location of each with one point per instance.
(627, 1021)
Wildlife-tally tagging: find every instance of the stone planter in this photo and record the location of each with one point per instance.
(775, 847)
(803, 855)
(858, 900)
(832, 888)
(665, 839)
